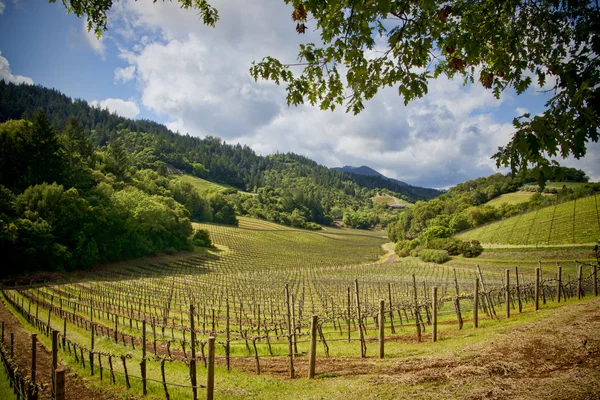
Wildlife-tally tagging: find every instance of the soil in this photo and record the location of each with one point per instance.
(75, 387)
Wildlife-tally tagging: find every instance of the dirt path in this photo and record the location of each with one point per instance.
(390, 256)
(75, 387)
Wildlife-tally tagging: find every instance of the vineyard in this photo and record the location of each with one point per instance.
(577, 221)
(204, 185)
(279, 303)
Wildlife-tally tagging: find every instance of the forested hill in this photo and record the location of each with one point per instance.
(155, 146)
(366, 176)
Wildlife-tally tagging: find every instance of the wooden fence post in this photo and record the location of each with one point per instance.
(55, 362)
(457, 303)
(476, 304)
(391, 308)
(417, 323)
(359, 321)
(289, 331)
(595, 274)
(59, 385)
(64, 337)
(227, 336)
(434, 312)
(518, 290)
(193, 359)
(558, 282)
(33, 356)
(313, 347)
(381, 321)
(507, 293)
(579, 276)
(210, 378)
(143, 363)
(536, 304)
(2, 332)
(12, 346)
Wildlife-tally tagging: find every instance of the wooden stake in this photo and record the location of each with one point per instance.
(58, 388)
(381, 328)
(143, 363)
(193, 359)
(416, 305)
(558, 283)
(507, 293)
(536, 304)
(210, 378)
(289, 331)
(434, 312)
(476, 304)
(313, 347)
(359, 321)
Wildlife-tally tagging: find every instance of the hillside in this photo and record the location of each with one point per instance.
(155, 146)
(572, 222)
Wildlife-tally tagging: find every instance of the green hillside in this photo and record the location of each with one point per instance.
(513, 198)
(576, 221)
(204, 185)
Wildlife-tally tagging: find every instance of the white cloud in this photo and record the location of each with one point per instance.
(96, 44)
(124, 74)
(8, 76)
(520, 111)
(197, 77)
(2, 7)
(124, 108)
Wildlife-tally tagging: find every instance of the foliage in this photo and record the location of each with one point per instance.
(436, 256)
(452, 245)
(201, 238)
(471, 249)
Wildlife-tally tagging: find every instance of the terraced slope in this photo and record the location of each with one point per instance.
(577, 221)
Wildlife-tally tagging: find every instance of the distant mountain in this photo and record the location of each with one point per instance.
(363, 170)
(415, 192)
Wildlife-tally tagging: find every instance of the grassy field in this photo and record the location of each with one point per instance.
(513, 198)
(390, 200)
(204, 185)
(572, 222)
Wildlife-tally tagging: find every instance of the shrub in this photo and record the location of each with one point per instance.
(201, 238)
(402, 253)
(471, 248)
(452, 245)
(436, 256)
(312, 226)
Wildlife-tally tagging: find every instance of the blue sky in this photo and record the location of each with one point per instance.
(159, 62)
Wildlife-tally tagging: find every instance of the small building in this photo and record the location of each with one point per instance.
(396, 206)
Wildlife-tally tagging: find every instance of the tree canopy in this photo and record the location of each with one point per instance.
(369, 45)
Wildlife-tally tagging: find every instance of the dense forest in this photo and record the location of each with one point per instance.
(79, 185)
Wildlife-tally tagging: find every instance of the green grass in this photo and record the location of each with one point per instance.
(574, 222)
(6, 392)
(390, 200)
(513, 198)
(204, 185)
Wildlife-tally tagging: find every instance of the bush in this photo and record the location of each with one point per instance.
(471, 248)
(402, 253)
(312, 226)
(201, 238)
(436, 256)
(451, 245)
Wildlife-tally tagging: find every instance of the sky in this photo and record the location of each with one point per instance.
(159, 62)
